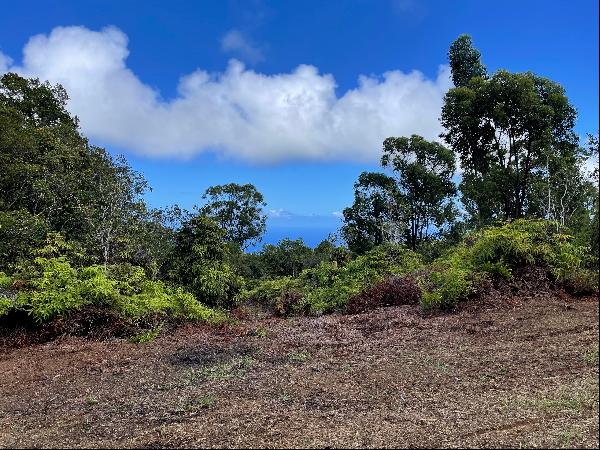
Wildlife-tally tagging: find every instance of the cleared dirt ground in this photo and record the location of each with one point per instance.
(519, 372)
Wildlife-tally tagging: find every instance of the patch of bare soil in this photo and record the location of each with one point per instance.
(507, 371)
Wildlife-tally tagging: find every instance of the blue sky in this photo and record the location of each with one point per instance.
(219, 121)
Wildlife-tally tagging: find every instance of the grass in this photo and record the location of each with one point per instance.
(570, 438)
(235, 367)
(591, 356)
(147, 336)
(300, 356)
(91, 400)
(568, 399)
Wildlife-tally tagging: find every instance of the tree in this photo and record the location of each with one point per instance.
(51, 172)
(502, 128)
(200, 262)
(465, 61)
(592, 154)
(424, 173)
(238, 210)
(45, 161)
(119, 206)
(374, 218)
(287, 258)
(20, 233)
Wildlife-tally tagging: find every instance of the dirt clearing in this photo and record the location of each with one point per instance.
(518, 373)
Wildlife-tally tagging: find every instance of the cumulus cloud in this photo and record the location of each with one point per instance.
(5, 62)
(238, 44)
(239, 113)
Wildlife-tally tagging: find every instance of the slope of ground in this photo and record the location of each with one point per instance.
(521, 372)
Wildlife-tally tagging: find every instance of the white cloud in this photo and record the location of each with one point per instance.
(238, 113)
(5, 62)
(238, 44)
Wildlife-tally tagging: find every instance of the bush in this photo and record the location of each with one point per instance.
(330, 288)
(283, 296)
(391, 291)
(53, 288)
(327, 287)
(495, 252)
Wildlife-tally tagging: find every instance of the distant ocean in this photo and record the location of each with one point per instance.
(311, 229)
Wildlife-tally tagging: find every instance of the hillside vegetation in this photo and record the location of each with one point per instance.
(82, 252)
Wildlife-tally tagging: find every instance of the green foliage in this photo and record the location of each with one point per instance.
(147, 336)
(201, 262)
(328, 287)
(446, 285)
(509, 131)
(497, 251)
(6, 305)
(465, 61)
(424, 173)
(52, 179)
(54, 288)
(5, 280)
(375, 215)
(238, 210)
(20, 233)
(287, 258)
(272, 294)
(54, 292)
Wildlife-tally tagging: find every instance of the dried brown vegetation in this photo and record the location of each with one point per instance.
(508, 370)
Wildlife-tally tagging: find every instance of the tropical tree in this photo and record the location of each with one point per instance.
(503, 127)
(238, 209)
(376, 214)
(200, 261)
(424, 172)
(465, 61)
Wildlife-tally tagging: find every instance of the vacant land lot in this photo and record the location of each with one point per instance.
(516, 372)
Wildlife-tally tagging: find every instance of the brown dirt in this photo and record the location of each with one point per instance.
(518, 371)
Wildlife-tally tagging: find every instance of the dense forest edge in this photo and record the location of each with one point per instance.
(82, 253)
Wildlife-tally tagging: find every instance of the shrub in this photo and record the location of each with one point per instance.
(6, 305)
(495, 252)
(5, 280)
(288, 302)
(330, 288)
(283, 295)
(53, 292)
(389, 292)
(54, 288)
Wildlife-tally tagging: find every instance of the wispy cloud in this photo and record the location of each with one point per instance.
(5, 62)
(241, 46)
(240, 113)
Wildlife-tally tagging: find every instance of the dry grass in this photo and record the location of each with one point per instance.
(521, 373)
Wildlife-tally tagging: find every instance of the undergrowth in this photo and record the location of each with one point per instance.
(491, 253)
(52, 287)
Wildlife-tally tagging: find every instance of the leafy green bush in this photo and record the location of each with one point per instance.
(495, 252)
(327, 287)
(330, 288)
(275, 294)
(54, 288)
(6, 305)
(201, 262)
(5, 280)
